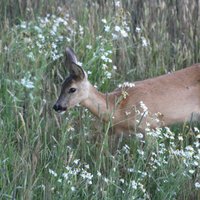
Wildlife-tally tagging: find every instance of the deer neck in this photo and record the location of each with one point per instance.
(101, 105)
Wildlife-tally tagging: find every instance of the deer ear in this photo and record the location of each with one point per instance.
(77, 71)
(72, 64)
(70, 56)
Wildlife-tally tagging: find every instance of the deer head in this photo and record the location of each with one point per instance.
(74, 90)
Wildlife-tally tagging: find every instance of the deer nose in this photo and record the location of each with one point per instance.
(57, 107)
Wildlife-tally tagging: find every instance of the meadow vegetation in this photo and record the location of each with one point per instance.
(44, 155)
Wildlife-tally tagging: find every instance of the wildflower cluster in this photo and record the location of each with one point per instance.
(144, 42)
(126, 84)
(74, 174)
(41, 42)
(117, 31)
(47, 35)
(135, 178)
(103, 59)
(26, 81)
(106, 63)
(169, 149)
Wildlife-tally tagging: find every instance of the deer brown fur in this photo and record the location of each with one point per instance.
(160, 101)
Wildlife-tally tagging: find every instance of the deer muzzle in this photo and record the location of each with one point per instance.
(58, 108)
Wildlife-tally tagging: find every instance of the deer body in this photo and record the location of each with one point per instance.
(155, 102)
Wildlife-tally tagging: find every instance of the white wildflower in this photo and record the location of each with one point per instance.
(126, 149)
(52, 32)
(41, 37)
(124, 33)
(127, 28)
(144, 42)
(117, 29)
(144, 107)
(189, 148)
(117, 4)
(54, 55)
(189, 151)
(195, 163)
(127, 113)
(27, 40)
(5, 48)
(73, 189)
(177, 152)
(126, 84)
(23, 25)
(98, 173)
(52, 172)
(60, 37)
(106, 179)
(87, 176)
(180, 138)
(140, 152)
(197, 157)
(114, 67)
(144, 174)
(99, 37)
(196, 130)
(138, 29)
(31, 56)
(70, 128)
(197, 185)
(39, 45)
(108, 74)
(59, 180)
(87, 166)
(104, 21)
(76, 161)
(106, 59)
(191, 171)
(65, 175)
(114, 36)
(121, 180)
(139, 135)
(27, 83)
(131, 170)
(107, 28)
(60, 20)
(134, 185)
(38, 29)
(197, 144)
(198, 136)
(89, 72)
(104, 66)
(89, 46)
(68, 39)
(81, 30)
(53, 45)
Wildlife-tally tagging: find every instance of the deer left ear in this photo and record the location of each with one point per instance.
(77, 71)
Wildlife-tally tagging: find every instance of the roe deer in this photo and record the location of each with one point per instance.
(155, 102)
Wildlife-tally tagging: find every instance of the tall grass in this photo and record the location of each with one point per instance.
(44, 155)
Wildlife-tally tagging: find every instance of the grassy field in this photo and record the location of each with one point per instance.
(44, 155)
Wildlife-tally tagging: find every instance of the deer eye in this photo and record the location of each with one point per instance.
(72, 90)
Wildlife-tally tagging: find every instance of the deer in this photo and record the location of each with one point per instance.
(152, 103)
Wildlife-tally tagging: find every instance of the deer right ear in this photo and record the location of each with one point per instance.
(72, 64)
(70, 56)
